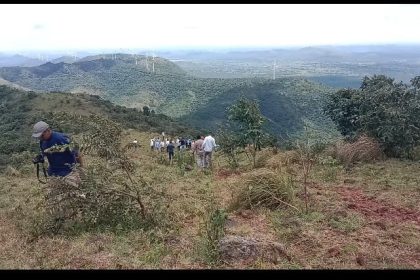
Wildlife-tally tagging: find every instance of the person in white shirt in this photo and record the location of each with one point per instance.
(177, 143)
(208, 146)
(152, 143)
(157, 145)
(162, 145)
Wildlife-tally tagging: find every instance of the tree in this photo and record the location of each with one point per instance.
(382, 109)
(308, 146)
(249, 120)
(229, 145)
(343, 107)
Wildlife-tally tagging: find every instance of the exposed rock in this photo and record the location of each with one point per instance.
(236, 248)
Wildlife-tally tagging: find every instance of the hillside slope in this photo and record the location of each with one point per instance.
(128, 80)
(114, 79)
(58, 109)
(288, 104)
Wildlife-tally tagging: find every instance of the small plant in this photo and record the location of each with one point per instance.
(162, 159)
(184, 161)
(287, 226)
(308, 147)
(348, 223)
(212, 233)
(331, 167)
(229, 146)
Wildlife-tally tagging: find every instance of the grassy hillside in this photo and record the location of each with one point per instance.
(365, 218)
(60, 110)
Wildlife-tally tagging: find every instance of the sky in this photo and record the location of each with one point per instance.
(154, 26)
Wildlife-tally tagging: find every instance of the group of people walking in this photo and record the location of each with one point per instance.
(202, 148)
(61, 159)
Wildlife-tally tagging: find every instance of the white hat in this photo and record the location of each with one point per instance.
(39, 128)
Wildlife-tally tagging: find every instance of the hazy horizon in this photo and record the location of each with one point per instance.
(80, 27)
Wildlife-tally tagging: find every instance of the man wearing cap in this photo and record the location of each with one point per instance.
(61, 159)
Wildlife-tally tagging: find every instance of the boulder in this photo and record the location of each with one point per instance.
(249, 250)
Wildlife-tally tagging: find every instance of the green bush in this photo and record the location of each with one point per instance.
(382, 109)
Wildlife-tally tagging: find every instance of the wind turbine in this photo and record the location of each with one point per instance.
(134, 55)
(147, 64)
(153, 63)
(274, 70)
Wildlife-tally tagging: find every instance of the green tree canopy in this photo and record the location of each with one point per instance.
(382, 109)
(247, 118)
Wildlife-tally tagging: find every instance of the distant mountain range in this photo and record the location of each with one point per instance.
(19, 60)
(337, 66)
(196, 86)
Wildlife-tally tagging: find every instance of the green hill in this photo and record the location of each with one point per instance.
(113, 79)
(288, 104)
(129, 80)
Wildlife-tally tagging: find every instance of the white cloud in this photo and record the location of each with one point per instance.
(163, 25)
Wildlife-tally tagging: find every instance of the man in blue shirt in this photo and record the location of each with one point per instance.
(55, 146)
(170, 149)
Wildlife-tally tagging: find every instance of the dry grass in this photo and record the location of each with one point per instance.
(284, 159)
(264, 188)
(331, 235)
(364, 149)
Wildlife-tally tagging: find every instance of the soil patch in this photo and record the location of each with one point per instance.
(371, 208)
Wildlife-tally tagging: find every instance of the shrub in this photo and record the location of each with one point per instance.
(383, 109)
(364, 149)
(184, 160)
(264, 188)
(109, 195)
